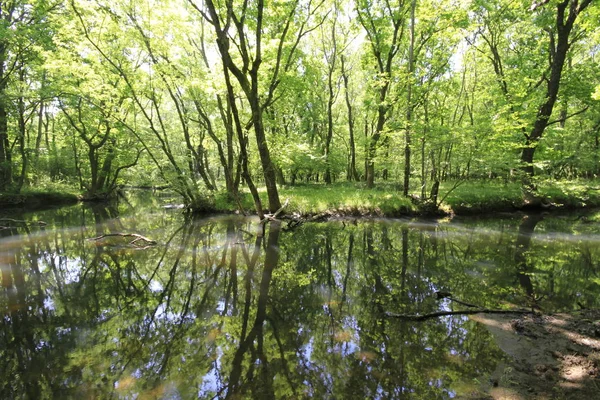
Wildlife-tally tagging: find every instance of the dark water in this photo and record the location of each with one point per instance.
(215, 310)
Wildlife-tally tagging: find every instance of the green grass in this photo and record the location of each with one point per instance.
(344, 198)
(573, 194)
(481, 196)
(470, 197)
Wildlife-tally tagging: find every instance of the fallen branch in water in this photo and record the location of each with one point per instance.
(271, 217)
(414, 317)
(295, 220)
(148, 242)
(463, 303)
(20, 221)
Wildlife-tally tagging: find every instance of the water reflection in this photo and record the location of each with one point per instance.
(216, 310)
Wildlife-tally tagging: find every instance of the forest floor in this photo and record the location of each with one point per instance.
(554, 356)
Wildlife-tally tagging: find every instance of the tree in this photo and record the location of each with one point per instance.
(239, 30)
(24, 33)
(560, 41)
(537, 80)
(384, 24)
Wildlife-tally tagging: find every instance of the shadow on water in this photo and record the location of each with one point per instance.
(216, 310)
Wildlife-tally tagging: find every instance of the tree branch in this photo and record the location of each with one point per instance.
(424, 317)
(563, 119)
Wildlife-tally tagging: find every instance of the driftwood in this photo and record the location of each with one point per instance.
(424, 317)
(271, 217)
(296, 220)
(137, 238)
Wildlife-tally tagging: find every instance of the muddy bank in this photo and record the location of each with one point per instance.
(554, 356)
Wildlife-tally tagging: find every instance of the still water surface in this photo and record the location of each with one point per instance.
(216, 310)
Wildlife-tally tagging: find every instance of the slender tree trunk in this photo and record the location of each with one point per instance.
(409, 105)
(386, 156)
(331, 60)
(93, 159)
(352, 173)
(40, 124)
(22, 138)
(5, 152)
(423, 161)
(330, 100)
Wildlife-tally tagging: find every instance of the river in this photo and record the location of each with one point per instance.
(212, 308)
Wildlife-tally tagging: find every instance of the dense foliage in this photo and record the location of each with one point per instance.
(206, 96)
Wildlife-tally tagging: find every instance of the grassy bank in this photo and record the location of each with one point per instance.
(472, 197)
(34, 199)
(354, 199)
(485, 196)
(342, 198)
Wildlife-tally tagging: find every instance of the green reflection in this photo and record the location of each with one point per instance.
(217, 311)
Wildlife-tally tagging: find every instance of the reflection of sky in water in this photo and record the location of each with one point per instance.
(211, 382)
(49, 303)
(155, 286)
(72, 270)
(220, 306)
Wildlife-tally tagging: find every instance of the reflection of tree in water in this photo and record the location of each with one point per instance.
(526, 228)
(217, 311)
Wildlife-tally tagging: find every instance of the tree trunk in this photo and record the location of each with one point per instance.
(245, 170)
(265, 156)
(409, 105)
(5, 153)
(22, 136)
(559, 48)
(40, 124)
(331, 61)
(352, 173)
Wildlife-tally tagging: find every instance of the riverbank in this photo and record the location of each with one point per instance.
(385, 200)
(550, 356)
(37, 199)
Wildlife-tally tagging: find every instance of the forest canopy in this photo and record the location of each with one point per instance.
(206, 96)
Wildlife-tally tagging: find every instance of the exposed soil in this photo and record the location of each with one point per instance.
(553, 356)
